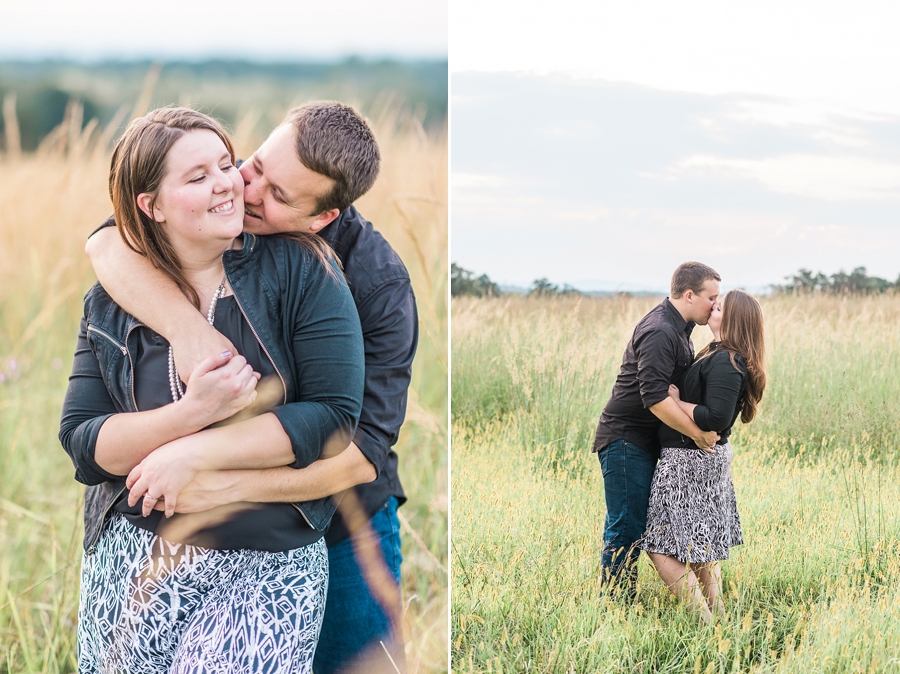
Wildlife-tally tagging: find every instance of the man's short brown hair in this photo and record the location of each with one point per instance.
(691, 275)
(334, 139)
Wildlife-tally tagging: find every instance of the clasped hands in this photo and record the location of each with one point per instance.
(220, 387)
(706, 441)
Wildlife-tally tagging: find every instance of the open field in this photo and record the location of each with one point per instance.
(50, 202)
(813, 589)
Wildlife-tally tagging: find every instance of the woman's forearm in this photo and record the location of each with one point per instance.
(258, 442)
(127, 439)
(687, 408)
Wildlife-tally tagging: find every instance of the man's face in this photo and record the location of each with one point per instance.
(279, 191)
(704, 301)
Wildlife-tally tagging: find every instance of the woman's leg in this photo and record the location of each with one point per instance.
(710, 576)
(132, 602)
(684, 584)
(264, 617)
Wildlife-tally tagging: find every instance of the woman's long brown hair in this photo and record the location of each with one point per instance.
(138, 166)
(742, 333)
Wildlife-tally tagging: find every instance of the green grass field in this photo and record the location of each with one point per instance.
(50, 202)
(813, 589)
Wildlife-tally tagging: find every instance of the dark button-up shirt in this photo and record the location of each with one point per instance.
(659, 352)
(716, 385)
(384, 298)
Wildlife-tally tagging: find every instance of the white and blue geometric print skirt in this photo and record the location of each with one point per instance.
(151, 606)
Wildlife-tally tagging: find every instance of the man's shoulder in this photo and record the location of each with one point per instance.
(370, 262)
(656, 319)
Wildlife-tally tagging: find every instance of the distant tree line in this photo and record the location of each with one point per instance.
(543, 288)
(857, 282)
(464, 282)
(43, 89)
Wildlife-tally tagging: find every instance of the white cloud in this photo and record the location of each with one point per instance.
(830, 178)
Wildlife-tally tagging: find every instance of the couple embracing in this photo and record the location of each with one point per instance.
(662, 439)
(211, 539)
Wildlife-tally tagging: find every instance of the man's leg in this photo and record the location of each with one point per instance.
(355, 624)
(627, 476)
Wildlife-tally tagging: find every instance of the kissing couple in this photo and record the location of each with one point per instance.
(663, 439)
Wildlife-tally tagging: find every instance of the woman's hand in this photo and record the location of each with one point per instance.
(220, 388)
(674, 393)
(162, 475)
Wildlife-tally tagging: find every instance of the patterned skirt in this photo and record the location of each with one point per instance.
(692, 514)
(153, 607)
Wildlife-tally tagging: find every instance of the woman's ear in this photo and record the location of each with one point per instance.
(145, 203)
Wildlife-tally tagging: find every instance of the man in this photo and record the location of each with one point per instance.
(304, 178)
(626, 442)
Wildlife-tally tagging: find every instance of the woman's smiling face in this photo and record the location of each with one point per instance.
(200, 198)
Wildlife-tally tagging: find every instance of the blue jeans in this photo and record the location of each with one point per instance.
(354, 621)
(627, 476)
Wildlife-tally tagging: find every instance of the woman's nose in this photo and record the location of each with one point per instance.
(223, 181)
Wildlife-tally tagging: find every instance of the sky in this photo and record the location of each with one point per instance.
(261, 29)
(602, 145)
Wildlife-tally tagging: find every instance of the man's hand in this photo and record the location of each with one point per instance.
(706, 440)
(193, 347)
(209, 489)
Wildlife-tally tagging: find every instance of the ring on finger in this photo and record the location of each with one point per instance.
(152, 498)
(253, 395)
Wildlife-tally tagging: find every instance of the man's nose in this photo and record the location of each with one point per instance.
(252, 193)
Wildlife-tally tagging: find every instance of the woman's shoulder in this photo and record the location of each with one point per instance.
(722, 358)
(296, 264)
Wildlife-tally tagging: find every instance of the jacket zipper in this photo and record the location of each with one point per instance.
(109, 338)
(304, 516)
(256, 334)
(121, 347)
(283, 384)
(93, 546)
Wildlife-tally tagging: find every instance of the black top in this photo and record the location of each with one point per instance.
(273, 527)
(384, 299)
(717, 387)
(659, 352)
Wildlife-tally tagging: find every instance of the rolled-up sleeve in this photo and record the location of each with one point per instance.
(655, 353)
(86, 407)
(327, 352)
(722, 393)
(390, 336)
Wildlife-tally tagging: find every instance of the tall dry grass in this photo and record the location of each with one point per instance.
(49, 203)
(814, 587)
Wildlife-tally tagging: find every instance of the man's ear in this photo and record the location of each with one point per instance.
(145, 203)
(688, 296)
(324, 219)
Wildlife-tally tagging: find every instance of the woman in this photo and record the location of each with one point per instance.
(173, 593)
(692, 519)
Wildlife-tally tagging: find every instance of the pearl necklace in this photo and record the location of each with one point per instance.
(174, 380)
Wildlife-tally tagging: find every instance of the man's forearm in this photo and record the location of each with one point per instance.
(325, 477)
(151, 296)
(136, 286)
(669, 412)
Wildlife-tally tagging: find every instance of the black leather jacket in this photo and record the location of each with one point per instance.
(303, 317)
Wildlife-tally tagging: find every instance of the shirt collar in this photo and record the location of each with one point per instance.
(677, 319)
